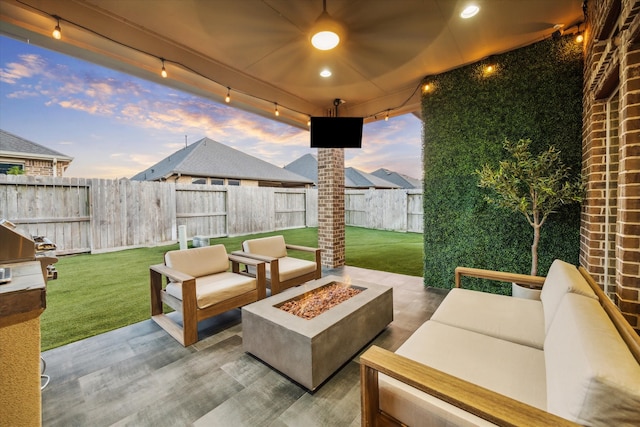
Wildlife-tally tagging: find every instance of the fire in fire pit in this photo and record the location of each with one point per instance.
(316, 302)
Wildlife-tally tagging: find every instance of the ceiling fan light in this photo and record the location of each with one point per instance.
(325, 40)
(326, 32)
(470, 11)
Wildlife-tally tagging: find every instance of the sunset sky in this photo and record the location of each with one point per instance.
(115, 125)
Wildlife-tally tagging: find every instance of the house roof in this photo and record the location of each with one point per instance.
(403, 181)
(209, 158)
(14, 146)
(355, 178)
(307, 166)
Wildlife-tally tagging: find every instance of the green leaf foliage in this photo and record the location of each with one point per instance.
(535, 94)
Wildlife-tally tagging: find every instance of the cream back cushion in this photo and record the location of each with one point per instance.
(268, 246)
(562, 278)
(592, 377)
(199, 262)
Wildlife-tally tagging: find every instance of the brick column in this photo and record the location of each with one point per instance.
(331, 206)
(628, 227)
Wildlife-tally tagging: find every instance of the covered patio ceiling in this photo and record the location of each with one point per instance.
(260, 49)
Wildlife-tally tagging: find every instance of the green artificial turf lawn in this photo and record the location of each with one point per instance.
(98, 293)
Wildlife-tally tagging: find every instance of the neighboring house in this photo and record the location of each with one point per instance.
(34, 159)
(357, 179)
(307, 166)
(403, 181)
(209, 162)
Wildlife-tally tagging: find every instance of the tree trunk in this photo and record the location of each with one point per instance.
(534, 250)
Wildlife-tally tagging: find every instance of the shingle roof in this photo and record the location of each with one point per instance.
(208, 158)
(307, 166)
(14, 145)
(403, 181)
(355, 178)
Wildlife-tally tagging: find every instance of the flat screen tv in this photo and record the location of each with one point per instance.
(336, 132)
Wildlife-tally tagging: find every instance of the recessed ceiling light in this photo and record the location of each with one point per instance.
(470, 11)
(325, 73)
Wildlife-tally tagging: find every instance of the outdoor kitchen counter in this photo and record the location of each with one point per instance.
(22, 300)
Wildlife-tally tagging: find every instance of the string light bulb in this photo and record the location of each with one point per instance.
(227, 99)
(309, 122)
(579, 38)
(57, 32)
(163, 73)
(386, 118)
(277, 113)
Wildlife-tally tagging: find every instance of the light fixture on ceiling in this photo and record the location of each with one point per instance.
(325, 72)
(227, 99)
(326, 33)
(163, 73)
(469, 11)
(57, 32)
(276, 112)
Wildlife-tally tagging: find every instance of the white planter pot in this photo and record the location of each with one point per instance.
(520, 291)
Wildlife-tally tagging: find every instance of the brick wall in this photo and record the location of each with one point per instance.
(331, 238)
(34, 167)
(610, 230)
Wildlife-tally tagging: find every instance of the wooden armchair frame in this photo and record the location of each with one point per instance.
(491, 406)
(274, 280)
(188, 307)
(500, 276)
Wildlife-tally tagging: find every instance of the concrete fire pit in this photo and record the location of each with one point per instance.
(309, 351)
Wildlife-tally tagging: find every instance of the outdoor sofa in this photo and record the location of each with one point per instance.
(485, 359)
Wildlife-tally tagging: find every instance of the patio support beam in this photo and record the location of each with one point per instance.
(331, 237)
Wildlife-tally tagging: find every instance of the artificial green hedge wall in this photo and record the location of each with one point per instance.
(536, 93)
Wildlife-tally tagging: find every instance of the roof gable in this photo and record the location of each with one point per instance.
(16, 146)
(210, 158)
(403, 181)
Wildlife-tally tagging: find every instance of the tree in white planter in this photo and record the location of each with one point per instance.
(535, 186)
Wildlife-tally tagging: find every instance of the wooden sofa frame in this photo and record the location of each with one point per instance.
(484, 403)
(274, 280)
(188, 307)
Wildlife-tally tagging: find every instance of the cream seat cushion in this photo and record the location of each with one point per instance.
(292, 267)
(561, 279)
(216, 288)
(198, 262)
(513, 319)
(508, 368)
(592, 377)
(275, 247)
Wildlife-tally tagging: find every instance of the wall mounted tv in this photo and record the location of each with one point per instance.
(336, 132)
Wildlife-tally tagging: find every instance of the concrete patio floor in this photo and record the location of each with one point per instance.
(140, 376)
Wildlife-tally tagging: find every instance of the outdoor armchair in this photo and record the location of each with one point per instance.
(282, 271)
(199, 286)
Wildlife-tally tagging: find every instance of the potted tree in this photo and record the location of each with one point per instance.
(534, 186)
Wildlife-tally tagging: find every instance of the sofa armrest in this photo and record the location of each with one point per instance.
(302, 248)
(261, 273)
(501, 276)
(170, 273)
(484, 403)
(262, 258)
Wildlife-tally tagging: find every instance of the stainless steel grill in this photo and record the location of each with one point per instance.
(16, 246)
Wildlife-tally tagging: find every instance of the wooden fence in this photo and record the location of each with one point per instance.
(100, 215)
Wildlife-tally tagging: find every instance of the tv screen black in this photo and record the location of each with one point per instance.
(336, 132)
